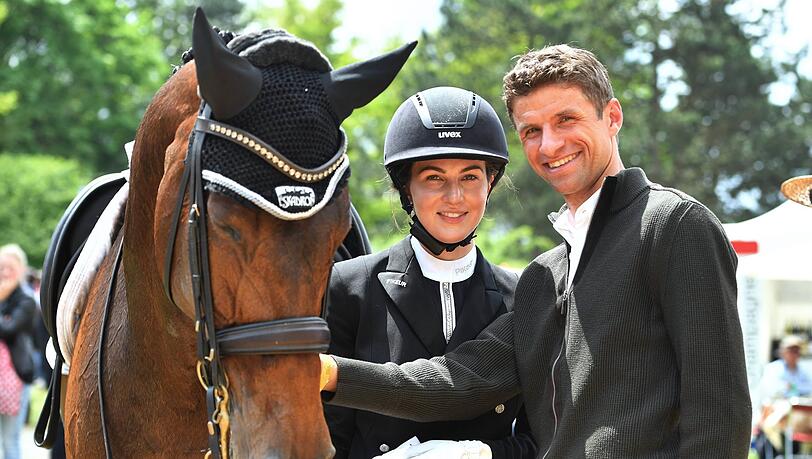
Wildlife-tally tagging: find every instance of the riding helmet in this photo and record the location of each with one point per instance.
(442, 122)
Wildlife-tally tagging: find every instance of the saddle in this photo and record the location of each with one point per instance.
(69, 238)
(66, 245)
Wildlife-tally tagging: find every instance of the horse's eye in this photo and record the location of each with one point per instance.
(232, 232)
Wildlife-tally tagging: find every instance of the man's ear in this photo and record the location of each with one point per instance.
(614, 113)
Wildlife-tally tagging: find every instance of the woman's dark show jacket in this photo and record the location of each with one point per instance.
(381, 308)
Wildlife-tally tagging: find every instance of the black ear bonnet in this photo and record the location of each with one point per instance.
(292, 112)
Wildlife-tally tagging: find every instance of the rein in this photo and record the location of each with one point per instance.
(274, 337)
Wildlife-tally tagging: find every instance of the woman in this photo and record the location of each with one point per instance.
(17, 314)
(445, 150)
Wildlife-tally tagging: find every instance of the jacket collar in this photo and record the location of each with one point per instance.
(483, 302)
(403, 281)
(621, 189)
(630, 183)
(618, 192)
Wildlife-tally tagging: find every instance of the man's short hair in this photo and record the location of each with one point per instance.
(558, 64)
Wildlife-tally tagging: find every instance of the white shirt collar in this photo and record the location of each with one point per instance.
(444, 270)
(567, 221)
(573, 228)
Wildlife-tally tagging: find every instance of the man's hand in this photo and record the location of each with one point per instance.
(329, 373)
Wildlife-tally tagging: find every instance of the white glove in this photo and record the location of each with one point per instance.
(449, 449)
(400, 451)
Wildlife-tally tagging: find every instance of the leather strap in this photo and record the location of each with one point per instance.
(434, 245)
(269, 153)
(45, 431)
(111, 292)
(285, 336)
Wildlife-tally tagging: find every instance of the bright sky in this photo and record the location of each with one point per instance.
(375, 21)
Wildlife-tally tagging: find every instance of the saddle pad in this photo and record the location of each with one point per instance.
(68, 238)
(74, 295)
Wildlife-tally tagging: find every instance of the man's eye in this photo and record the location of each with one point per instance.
(531, 132)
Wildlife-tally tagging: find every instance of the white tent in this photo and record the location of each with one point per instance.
(781, 240)
(774, 278)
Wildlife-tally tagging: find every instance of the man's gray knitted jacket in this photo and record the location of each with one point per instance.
(641, 358)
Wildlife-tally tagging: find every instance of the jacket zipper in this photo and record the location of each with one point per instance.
(565, 312)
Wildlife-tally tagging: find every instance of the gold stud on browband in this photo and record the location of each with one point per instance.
(277, 162)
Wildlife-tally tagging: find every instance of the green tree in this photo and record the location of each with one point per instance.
(314, 23)
(365, 129)
(695, 98)
(80, 74)
(172, 21)
(35, 191)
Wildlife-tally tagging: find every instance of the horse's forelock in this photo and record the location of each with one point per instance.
(276, 46)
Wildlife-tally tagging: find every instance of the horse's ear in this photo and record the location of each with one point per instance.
(227, 82)
(357, 84)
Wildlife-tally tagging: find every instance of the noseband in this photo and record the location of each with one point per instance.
(275, 337)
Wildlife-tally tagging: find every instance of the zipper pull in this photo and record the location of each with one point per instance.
(565, 302)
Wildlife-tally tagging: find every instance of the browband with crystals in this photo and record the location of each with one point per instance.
(270, 154)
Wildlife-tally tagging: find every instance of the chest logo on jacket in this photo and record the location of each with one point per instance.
(396, 282)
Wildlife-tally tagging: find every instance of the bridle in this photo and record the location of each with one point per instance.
(274, 337)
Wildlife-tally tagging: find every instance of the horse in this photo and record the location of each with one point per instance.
(237, 203)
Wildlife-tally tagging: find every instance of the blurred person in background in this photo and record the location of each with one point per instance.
(18, 311)
(782, 379)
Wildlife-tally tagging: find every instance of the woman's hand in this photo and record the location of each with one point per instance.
(329, 373)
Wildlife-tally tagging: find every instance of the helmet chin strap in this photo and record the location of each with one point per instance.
(420, 232)
(431, 243)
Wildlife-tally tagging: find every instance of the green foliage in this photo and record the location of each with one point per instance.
(82, 72)
(8, 101)
(720, 141)
(369, 184)
(35, 190)
(315, 24)
(511, 246)
(171, 21)
(76, 77)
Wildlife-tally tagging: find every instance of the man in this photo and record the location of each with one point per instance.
(625, 339)
(782, 379)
